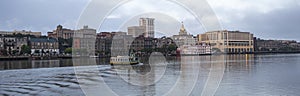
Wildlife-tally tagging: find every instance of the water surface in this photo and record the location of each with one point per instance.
(274, 74)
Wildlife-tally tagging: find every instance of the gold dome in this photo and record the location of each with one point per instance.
(182, 29)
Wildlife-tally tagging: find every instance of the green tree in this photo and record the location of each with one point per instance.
(25, 49)
(3, 52)
(14, 52)
(147, 50)
(68, 50)
(172, 47)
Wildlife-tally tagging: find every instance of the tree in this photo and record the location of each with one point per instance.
(14, 52)
(147, 50)
(69, 42)
(68, 50)
(172, 47)
(25, 49)
(287, 49)
(3, 52)
(100, 52)
(64, 43)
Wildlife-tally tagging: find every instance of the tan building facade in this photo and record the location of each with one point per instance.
(136, 31)
(228, 41)
(23, 32)
(61, 32)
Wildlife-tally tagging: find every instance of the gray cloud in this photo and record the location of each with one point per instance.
(268, 19)
(274, 19)
(37, 15)
(281, 23)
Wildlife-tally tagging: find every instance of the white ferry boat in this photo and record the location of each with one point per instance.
(194, 50)
(94, 56)
(123, 60)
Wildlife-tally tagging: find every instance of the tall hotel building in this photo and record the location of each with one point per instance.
(136, 31)
(148, 24)
(228, 41)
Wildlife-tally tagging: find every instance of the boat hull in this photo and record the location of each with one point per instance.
(124, 63)
(123, 60)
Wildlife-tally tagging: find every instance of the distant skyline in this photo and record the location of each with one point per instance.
(268, 19)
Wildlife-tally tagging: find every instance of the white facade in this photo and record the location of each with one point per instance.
(51, 51)
(184, 38)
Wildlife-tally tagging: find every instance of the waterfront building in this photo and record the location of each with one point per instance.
(52, 34)
(275, 45)
(12, 44)
(23, 32)
(103, 43)
(61, 32)
(149, 43)
(184, 38)
(119, 33)
(145, 28)
(136, 31)
(148, 24)
(86, 39)
(20, 41)
(104, 35)
(137, 44)
(3, 50)
(228, 41)
(64, 37)
(44, 45)
(1, 43)
(141, 42)
(121, 45)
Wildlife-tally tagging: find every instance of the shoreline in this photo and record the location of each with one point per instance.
(3, 58)
(70, 57)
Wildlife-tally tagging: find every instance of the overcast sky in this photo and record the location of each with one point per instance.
(269, 19)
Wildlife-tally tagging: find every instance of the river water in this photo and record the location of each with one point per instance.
(220, 75)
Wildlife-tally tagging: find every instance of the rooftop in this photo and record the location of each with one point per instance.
(43, 40)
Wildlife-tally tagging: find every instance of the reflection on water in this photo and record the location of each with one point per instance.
(276, 74)
(239, 62)
(29, 64)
